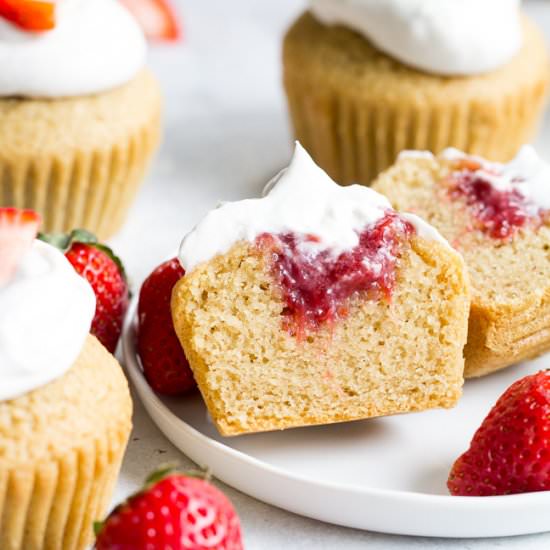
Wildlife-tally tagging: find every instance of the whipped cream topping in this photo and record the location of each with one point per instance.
(301, 199)
(527, 173)
(446, 37)
(45, 315)
(96, 45)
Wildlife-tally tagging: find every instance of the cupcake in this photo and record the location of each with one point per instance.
(65, 408)
(79, 112)
(498, 217)
(367, 79)
(340, 310)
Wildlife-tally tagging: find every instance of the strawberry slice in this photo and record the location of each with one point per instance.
(18, 229)
(157, 18)
(30, 15)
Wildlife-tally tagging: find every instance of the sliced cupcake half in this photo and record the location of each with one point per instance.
(498, 217)
(319, 304)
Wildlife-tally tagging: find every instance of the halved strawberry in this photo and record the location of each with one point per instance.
(157, 18)
(18, 229)
(30, 15)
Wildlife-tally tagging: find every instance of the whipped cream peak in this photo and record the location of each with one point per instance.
(95, 46)
(301, 199)
(446, 37)
(527, 173)
(46, 311)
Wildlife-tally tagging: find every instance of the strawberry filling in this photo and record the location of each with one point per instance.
(498, 213)
(30, 15)
(316, 286)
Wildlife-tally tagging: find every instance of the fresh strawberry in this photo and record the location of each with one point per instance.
(157, 18)
(104, 271)
(510, 452)
(18, 229)
(164, 363)
(174, 511)
(30, 15)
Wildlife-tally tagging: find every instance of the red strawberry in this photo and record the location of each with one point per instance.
(30, 15)
(157, 19)
(177, 512)
(104, 271)
(510, 452)
(18, 229)
(164, 363)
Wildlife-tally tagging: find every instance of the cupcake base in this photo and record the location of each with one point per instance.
(61, 447)
(354, 108)
(79, 161)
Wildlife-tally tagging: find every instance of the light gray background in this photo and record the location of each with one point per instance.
(226, 134)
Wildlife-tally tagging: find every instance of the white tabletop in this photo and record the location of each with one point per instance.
(226, 134)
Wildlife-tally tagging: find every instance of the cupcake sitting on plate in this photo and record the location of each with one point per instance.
(293, 315)
(65, 408)
(79, 112)
(366, 79)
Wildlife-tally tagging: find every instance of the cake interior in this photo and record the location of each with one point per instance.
(505, 242)
(317, 283)
(385, 355)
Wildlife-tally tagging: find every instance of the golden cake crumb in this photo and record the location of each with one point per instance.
(510, 313)
(383, 358)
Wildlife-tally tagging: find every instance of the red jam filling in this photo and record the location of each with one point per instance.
(499, 213)
(316, 285)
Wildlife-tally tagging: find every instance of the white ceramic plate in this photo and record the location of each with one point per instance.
(384, 474)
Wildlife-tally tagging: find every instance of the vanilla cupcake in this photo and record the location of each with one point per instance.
(65, 408)
(498, 217)
(79, 115)
(366, 79)
(294, 312)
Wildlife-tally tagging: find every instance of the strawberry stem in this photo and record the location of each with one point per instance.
(169, 469)
(98, 527)
(64, 241)
(160, 474)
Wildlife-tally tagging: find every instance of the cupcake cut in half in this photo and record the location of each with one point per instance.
(319, 304)
(497, 217)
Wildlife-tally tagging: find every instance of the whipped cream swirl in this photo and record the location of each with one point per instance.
(446, 37)
(301, 199)
(45, 315)
(96, 45)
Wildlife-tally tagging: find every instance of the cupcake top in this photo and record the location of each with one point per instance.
(446, 37)
(46, 310)
(302, 200)
(501, 198)
(527, 173)
(93, 46)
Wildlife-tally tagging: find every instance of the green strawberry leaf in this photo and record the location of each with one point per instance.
(64, 241)
(98, 527)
